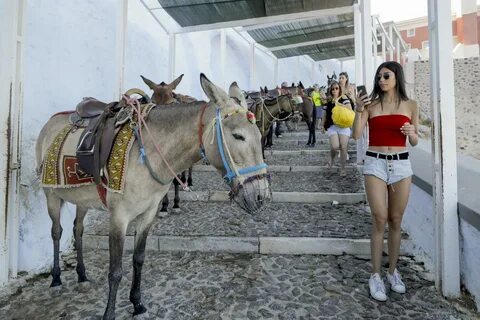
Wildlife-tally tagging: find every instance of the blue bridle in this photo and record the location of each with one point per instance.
(230, 173)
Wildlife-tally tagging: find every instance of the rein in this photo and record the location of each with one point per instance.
(227, 159)
(138, 129)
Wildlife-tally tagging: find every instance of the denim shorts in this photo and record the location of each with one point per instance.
(333, 129)
(389, 170)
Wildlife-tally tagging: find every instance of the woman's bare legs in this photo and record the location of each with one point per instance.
(376, 190)
(334, 146)
(343, 152)
(397, 202)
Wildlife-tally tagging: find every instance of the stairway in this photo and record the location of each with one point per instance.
(306, 256)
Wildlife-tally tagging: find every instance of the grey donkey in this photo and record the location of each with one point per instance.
(180, 144)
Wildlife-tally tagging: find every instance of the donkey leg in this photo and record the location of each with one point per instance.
(54, 204)
(309, 125)
(176, 199)
(164, 203)
(183, 177)
(314, 122)
(189, 180)
(141, 234)
(78, 233)
(116, 239)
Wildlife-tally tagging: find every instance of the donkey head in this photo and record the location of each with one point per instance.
(162, 93)
(236, 149)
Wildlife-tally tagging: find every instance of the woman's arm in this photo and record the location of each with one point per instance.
(361, 117)
(411, 129)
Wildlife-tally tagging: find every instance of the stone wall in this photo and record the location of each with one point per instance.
(467, 101)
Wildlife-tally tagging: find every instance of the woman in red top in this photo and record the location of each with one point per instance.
(392, 119)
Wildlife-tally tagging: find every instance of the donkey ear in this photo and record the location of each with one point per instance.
(214, 93)
(149, 83)
(235, 92)
(175, 82)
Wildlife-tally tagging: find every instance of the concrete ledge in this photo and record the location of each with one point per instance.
(190, 196)
(209, 244)
(101, 242)
(262, 245)
(334, 246)
(315, 168)
(301, 152)
(318, 197)
(278, 196)
(275, 168)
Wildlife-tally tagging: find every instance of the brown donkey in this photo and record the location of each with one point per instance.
(163, 95)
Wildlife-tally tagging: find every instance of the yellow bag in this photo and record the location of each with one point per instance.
(342, 117)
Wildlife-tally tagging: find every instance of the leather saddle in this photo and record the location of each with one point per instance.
(95, 144)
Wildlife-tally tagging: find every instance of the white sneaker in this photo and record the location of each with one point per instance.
(377, 288)
(396, 283)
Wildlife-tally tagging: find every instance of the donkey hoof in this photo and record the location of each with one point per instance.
(82, 278)
(164, 209)
(56, 282)
(190, 182)
(139, 309)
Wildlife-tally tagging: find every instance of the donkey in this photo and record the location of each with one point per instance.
(222, 131)
(270, 109)
(163, 95)
(307, 110)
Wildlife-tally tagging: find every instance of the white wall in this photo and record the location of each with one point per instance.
(69, 54)
(419, 223)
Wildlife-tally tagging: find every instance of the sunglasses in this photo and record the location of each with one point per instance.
(337, 88)
(385, 75)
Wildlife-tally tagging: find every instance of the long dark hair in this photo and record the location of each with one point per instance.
(397, 69)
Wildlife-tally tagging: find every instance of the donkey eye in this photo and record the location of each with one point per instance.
(238, 136)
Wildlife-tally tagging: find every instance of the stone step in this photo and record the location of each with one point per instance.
(279, 229)
(275, 168)
(214, 219)
(325, 180)
(303, 158)
(233, 286)
(300, 141)
(314, 151)
(281, 197)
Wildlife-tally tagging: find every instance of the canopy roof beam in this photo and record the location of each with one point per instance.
(309, 43)
(279, 19)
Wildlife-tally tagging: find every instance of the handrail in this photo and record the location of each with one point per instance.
(402, 42)
(390, 43)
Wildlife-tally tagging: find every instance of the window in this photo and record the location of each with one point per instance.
(411, 32)
(425, 45)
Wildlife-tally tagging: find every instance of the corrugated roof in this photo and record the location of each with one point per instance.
(296, 35)
(324, 51)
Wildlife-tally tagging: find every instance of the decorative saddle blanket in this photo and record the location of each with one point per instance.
(60, 167)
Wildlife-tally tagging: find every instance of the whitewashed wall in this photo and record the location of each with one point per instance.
(419, 220)
(69, 54)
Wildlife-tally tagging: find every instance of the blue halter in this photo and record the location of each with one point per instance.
(230, 173)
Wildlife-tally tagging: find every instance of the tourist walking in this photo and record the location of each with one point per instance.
(392, 120)
(338, 134)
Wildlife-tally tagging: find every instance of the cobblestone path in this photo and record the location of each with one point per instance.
(221, 285)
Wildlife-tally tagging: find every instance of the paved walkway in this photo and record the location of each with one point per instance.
(211, 260)
(179, 286)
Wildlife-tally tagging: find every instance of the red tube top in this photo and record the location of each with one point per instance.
(384, 130)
